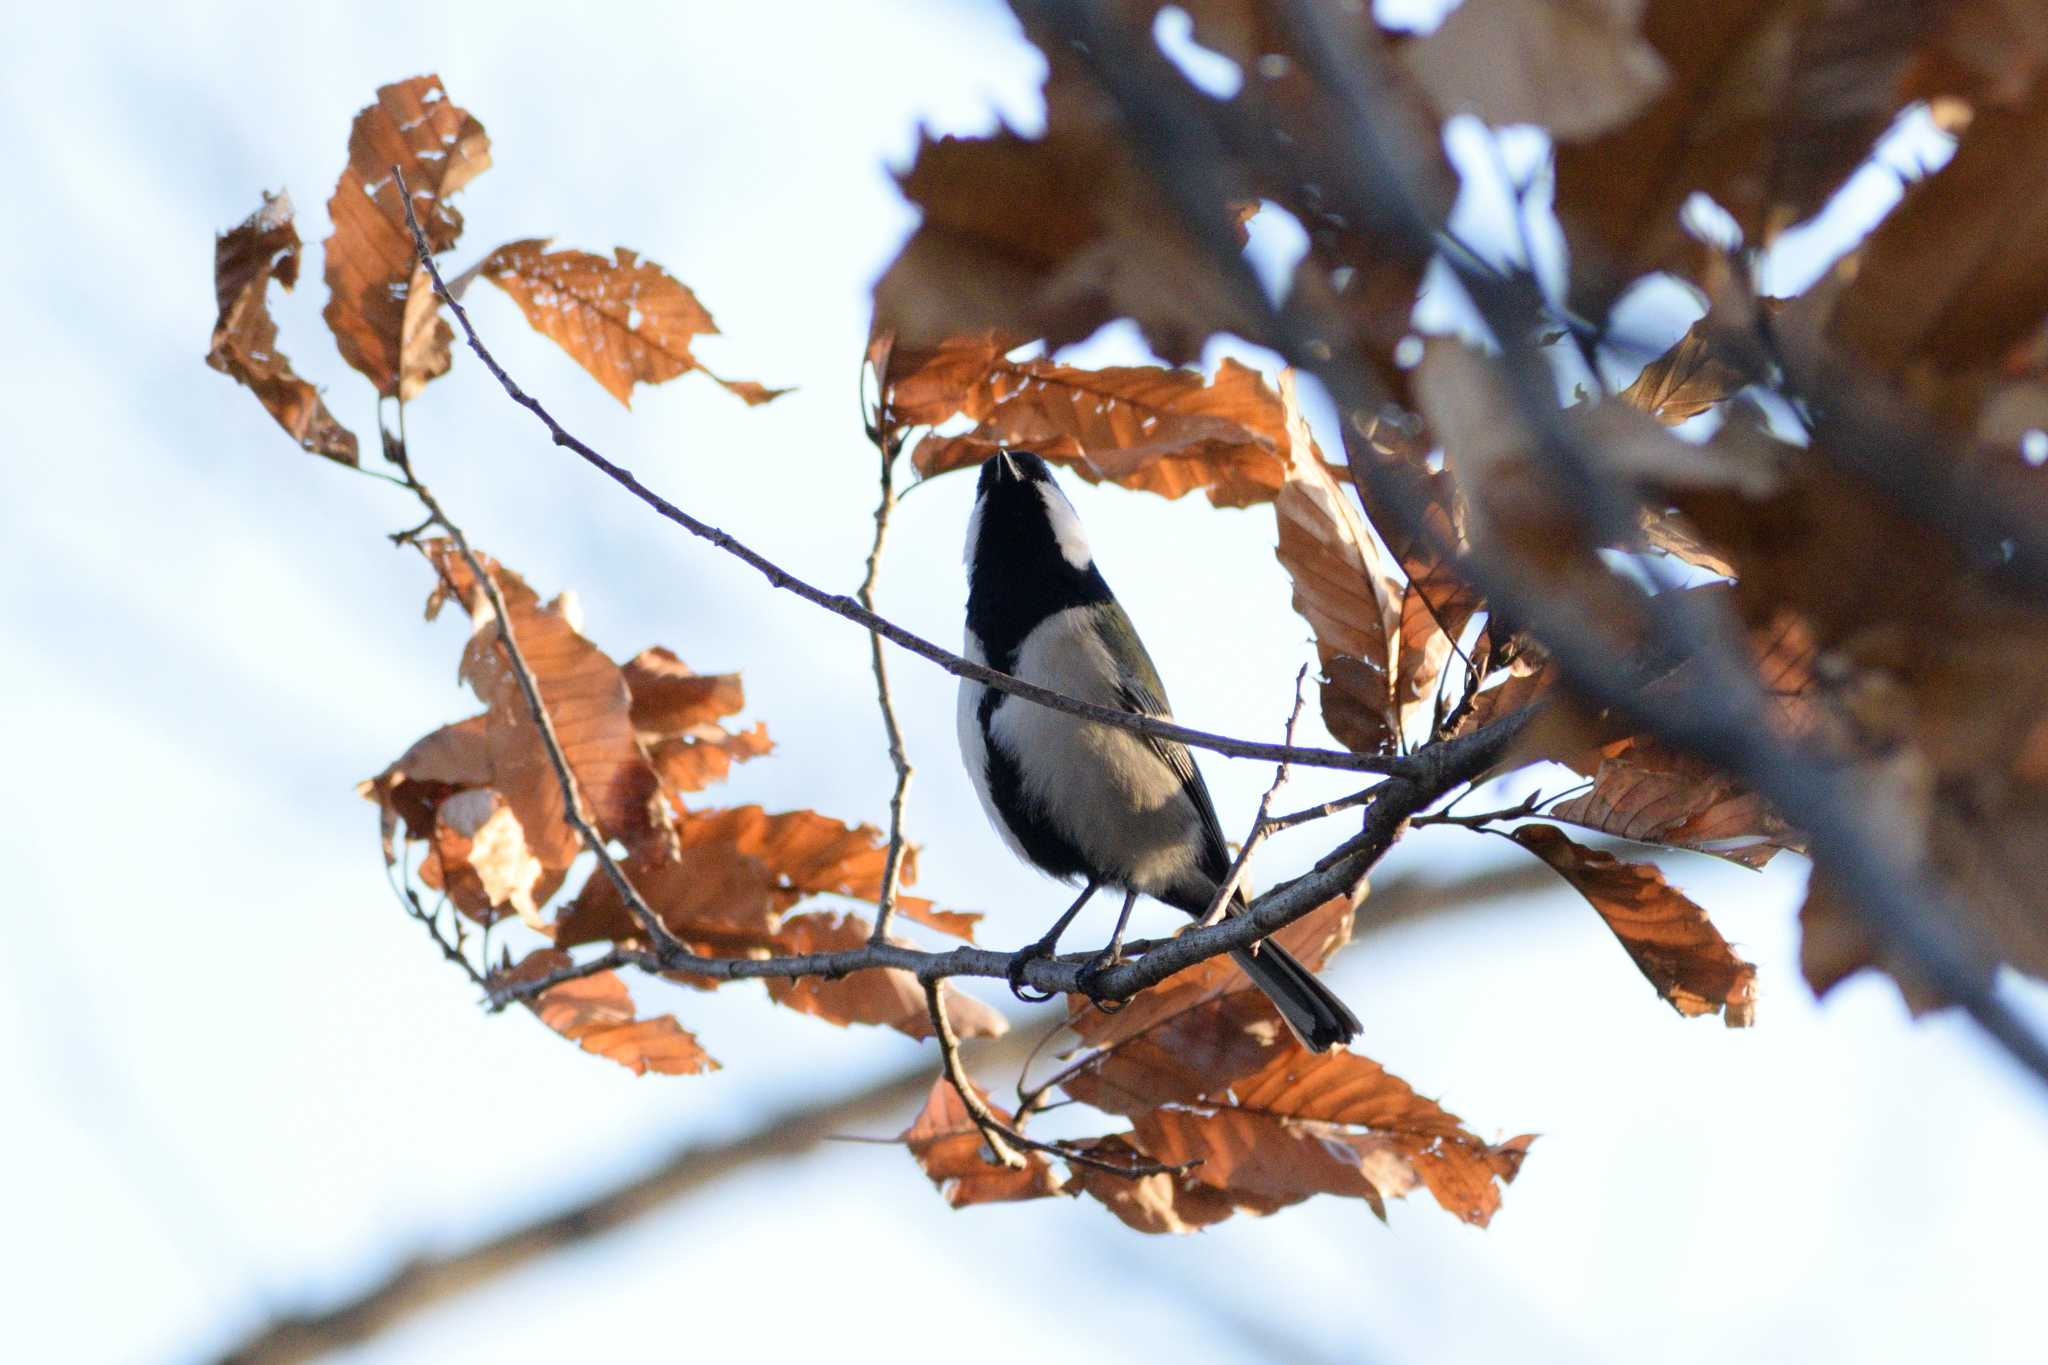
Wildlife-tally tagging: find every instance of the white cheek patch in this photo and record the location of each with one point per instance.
(1066, 527)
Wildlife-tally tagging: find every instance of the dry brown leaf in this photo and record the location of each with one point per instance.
(597, 1012)
(1579, 67)
(1266, 1162)
(1162, 1202)
(676, 713)
(739, 870)
(1670, 939)
(1645, 791)
(1160, 430)
(1768, 108)
(1047, 237)
(586, 697)
(1345, 591)
(690, 763)
(449, 760)
(1951, 280)
(1225, 1083)
(1434, 585)
(383, 320)
(265, 247)
(885, 996)
(669, 698)
(926, 385)
(949, 1148)
(625, 320)
(1686, 380)
(479, 856)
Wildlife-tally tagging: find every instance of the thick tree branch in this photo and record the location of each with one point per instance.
(851, 610)
(1436, 771)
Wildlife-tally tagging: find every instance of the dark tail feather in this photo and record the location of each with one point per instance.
(1310, 1008)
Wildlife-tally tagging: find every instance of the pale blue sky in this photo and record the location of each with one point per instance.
(238, 1078)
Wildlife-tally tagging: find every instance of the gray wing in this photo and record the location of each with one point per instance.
(1140, 690)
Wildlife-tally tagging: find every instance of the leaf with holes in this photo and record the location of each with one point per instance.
(246, 259)
(625, 320)
(386, 323)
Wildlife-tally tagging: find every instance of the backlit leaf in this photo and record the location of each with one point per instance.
(246, 259)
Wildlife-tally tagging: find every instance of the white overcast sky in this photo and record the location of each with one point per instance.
(238, 1079)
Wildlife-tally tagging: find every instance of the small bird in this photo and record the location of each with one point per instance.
(1084, 802)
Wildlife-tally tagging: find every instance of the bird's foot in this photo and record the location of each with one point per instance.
(1112, 956)
(1019, 962)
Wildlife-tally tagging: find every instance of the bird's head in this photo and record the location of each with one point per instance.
(1022, 522)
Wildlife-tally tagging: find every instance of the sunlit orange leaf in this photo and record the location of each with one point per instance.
(1163, 431)
(383, 322)
(449, 760)
(1162, 1202)
(479, 856)
(1344, 589)
(676, 713)
(690, 763)
(739, 870)
(1670, 939)
(878, 995)
(246, 259)
(625, 320)
(1271, 1162)
(949, 1148)
(671, 699)
(586, 697)
(925, 385)
(1579, 67)
(597, 1012)
(1224, 1082)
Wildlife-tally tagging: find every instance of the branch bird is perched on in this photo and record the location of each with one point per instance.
(1081, 801)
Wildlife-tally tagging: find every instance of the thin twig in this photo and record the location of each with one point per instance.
(892, 863)
(1281, 823)
(1007, 1144)
(573, 809)
(1219, 904)
(1001, 1141)
(848, 609)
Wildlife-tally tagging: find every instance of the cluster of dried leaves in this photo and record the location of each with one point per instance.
(624, 320)
(1885, 637)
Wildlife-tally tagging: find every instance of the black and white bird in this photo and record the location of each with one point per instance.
(1085, 802)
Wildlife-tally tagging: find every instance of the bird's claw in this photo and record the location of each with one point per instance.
(1095, 967)
(1020, 961)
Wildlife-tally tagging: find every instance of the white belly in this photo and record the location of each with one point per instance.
(1107, 790)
